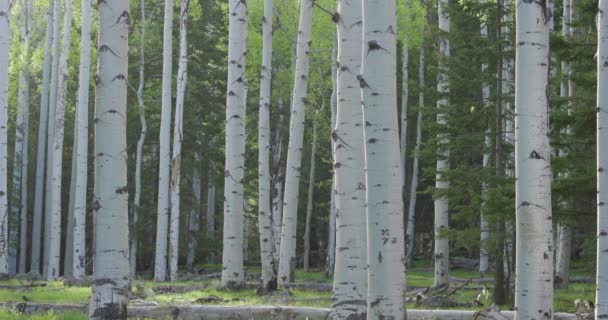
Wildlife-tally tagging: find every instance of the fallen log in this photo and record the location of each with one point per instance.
(29, 308)
(309, 286)
(22, 287)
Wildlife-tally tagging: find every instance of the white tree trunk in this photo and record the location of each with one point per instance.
(601, 296)
(232, 258)
(442, 244)
(56, 169)
(564, 232)
(404, 104)
(299, 101)
(350, 275)
(176, 160)
(69, 232)
(384, 203)
(311, 190)
(331, 241)
(264, 210)
(111, 280)
(24, 99)
(162, 223)
(82, 113)
(534, 261)
(41, 152)
(484, 226)
(276, 177)
(246, 217)
(194, 220)
(51, 132)
(140, 142)
(411, 215)
(5, 45)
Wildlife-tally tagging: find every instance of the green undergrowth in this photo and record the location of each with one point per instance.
(12, 315)
(211, 293)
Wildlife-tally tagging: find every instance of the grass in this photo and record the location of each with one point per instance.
(12, 315)
(56, 292)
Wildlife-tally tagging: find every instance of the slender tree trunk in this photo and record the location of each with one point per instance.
(111, 281)
(51, 132)
(69, 230)
(564, 241)
(232, 258)
(384, 204)
(311, 190)
(246, 217)
(264, 202)
(484, 255)
(176, 161)
(55, 221)
(140, 142)
(42, 135)
(5, 43)
(331, 243)
(276, 180)
(194, 220)
(534, 263)
(162, 223)
(411, 216)
(24, 99)
(299, 100)
(82, 113)
(442, 244)
(350, 276)
(404, 103)
(601, 296)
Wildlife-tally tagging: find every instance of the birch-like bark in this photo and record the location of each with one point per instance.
(162, 223)
(404, 103)
(484, 255)
(264, 201)
(350, 276)
(69, 232)
(176, 160)
(24, 99)
(5, 46)
(51, 132)
(194, 220)
(111, 276)
(276, 178)
(384, 203)
(442, 244)
(232, 258)
(56, 169)
(15, 198)
(41, 151)
(564, 232)
(311, 189)
(299, 100)
(534, 261)
(331, 242)
(411, 215)
(82, 113)
(140, 142)
(601, 295)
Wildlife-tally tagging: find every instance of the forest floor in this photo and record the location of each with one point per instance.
(470, 296)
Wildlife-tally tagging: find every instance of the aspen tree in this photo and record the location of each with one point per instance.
(299, 100)
(601, 293)
(162, 222)
(534, 260)
(264, 180)
(5, 46)
(232, 257)
(350, 276)
(384, 202)
(41, 150)
(111, 276)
